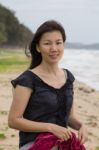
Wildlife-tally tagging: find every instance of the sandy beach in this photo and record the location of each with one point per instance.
(86, 106)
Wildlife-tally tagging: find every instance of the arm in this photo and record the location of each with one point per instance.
(15, 120)
(77, 125)
(73, 122)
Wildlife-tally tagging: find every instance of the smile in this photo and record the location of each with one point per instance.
(54, 55)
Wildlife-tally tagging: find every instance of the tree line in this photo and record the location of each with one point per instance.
(12, 32)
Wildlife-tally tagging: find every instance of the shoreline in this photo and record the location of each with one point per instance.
(86, 106)
(89, 84)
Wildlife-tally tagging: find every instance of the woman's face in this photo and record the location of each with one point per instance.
(51, 47)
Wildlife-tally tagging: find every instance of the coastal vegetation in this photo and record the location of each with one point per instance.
(12, 32)
(12, 60)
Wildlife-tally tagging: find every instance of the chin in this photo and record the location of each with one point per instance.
(54, 61)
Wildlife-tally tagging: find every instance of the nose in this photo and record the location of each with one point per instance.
(53, 47)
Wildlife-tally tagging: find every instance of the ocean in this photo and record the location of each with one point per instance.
(84, 64)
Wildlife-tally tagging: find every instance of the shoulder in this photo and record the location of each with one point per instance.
(70, 75)
(24, 79)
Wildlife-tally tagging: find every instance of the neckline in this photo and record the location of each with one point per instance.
(48, 85)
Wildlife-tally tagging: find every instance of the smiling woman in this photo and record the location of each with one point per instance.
(51, 47)
(43, 94)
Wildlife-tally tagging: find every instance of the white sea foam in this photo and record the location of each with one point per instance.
(84, 64)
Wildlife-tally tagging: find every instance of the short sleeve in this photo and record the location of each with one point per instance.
(71, 77)
(25, 79)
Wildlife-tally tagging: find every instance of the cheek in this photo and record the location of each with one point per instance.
(61, 53)
(62, 50)
(43, 48)
(44, 53)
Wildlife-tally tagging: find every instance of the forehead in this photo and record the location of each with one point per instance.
(53, 35)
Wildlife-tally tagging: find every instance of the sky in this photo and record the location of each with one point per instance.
(80, 18)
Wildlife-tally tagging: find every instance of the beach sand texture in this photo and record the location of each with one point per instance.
(86, 107)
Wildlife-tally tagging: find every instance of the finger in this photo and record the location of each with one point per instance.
(63, 138)
(67, 136)
(80, 137)
(70, 134)
(82, 140)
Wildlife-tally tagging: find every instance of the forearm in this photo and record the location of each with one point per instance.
(25, 125)
(74, 123)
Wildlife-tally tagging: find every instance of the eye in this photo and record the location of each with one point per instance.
(58, 43)
(46, 43)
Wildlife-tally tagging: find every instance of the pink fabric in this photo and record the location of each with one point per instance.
(46, 141)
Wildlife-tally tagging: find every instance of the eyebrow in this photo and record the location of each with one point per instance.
(56, 40)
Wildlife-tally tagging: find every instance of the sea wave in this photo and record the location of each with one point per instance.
(84, 64)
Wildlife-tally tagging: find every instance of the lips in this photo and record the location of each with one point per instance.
(54, 56)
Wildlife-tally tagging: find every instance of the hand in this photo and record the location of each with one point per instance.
(82, 134)
(61, 132)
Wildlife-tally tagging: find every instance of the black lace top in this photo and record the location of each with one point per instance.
(46, 103)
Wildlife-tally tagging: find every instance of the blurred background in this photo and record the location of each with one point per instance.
(80, 18)
(19, 20)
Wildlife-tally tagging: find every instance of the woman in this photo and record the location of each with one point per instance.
(43, 94)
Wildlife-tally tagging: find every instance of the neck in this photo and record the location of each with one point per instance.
(49, 68)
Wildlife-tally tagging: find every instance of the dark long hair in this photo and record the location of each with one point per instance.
(47, 26)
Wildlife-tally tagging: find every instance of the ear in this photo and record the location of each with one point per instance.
(37, 48)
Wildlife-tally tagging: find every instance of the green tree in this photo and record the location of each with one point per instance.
(11, 31)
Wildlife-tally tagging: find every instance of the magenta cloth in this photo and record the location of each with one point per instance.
(46, 141)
